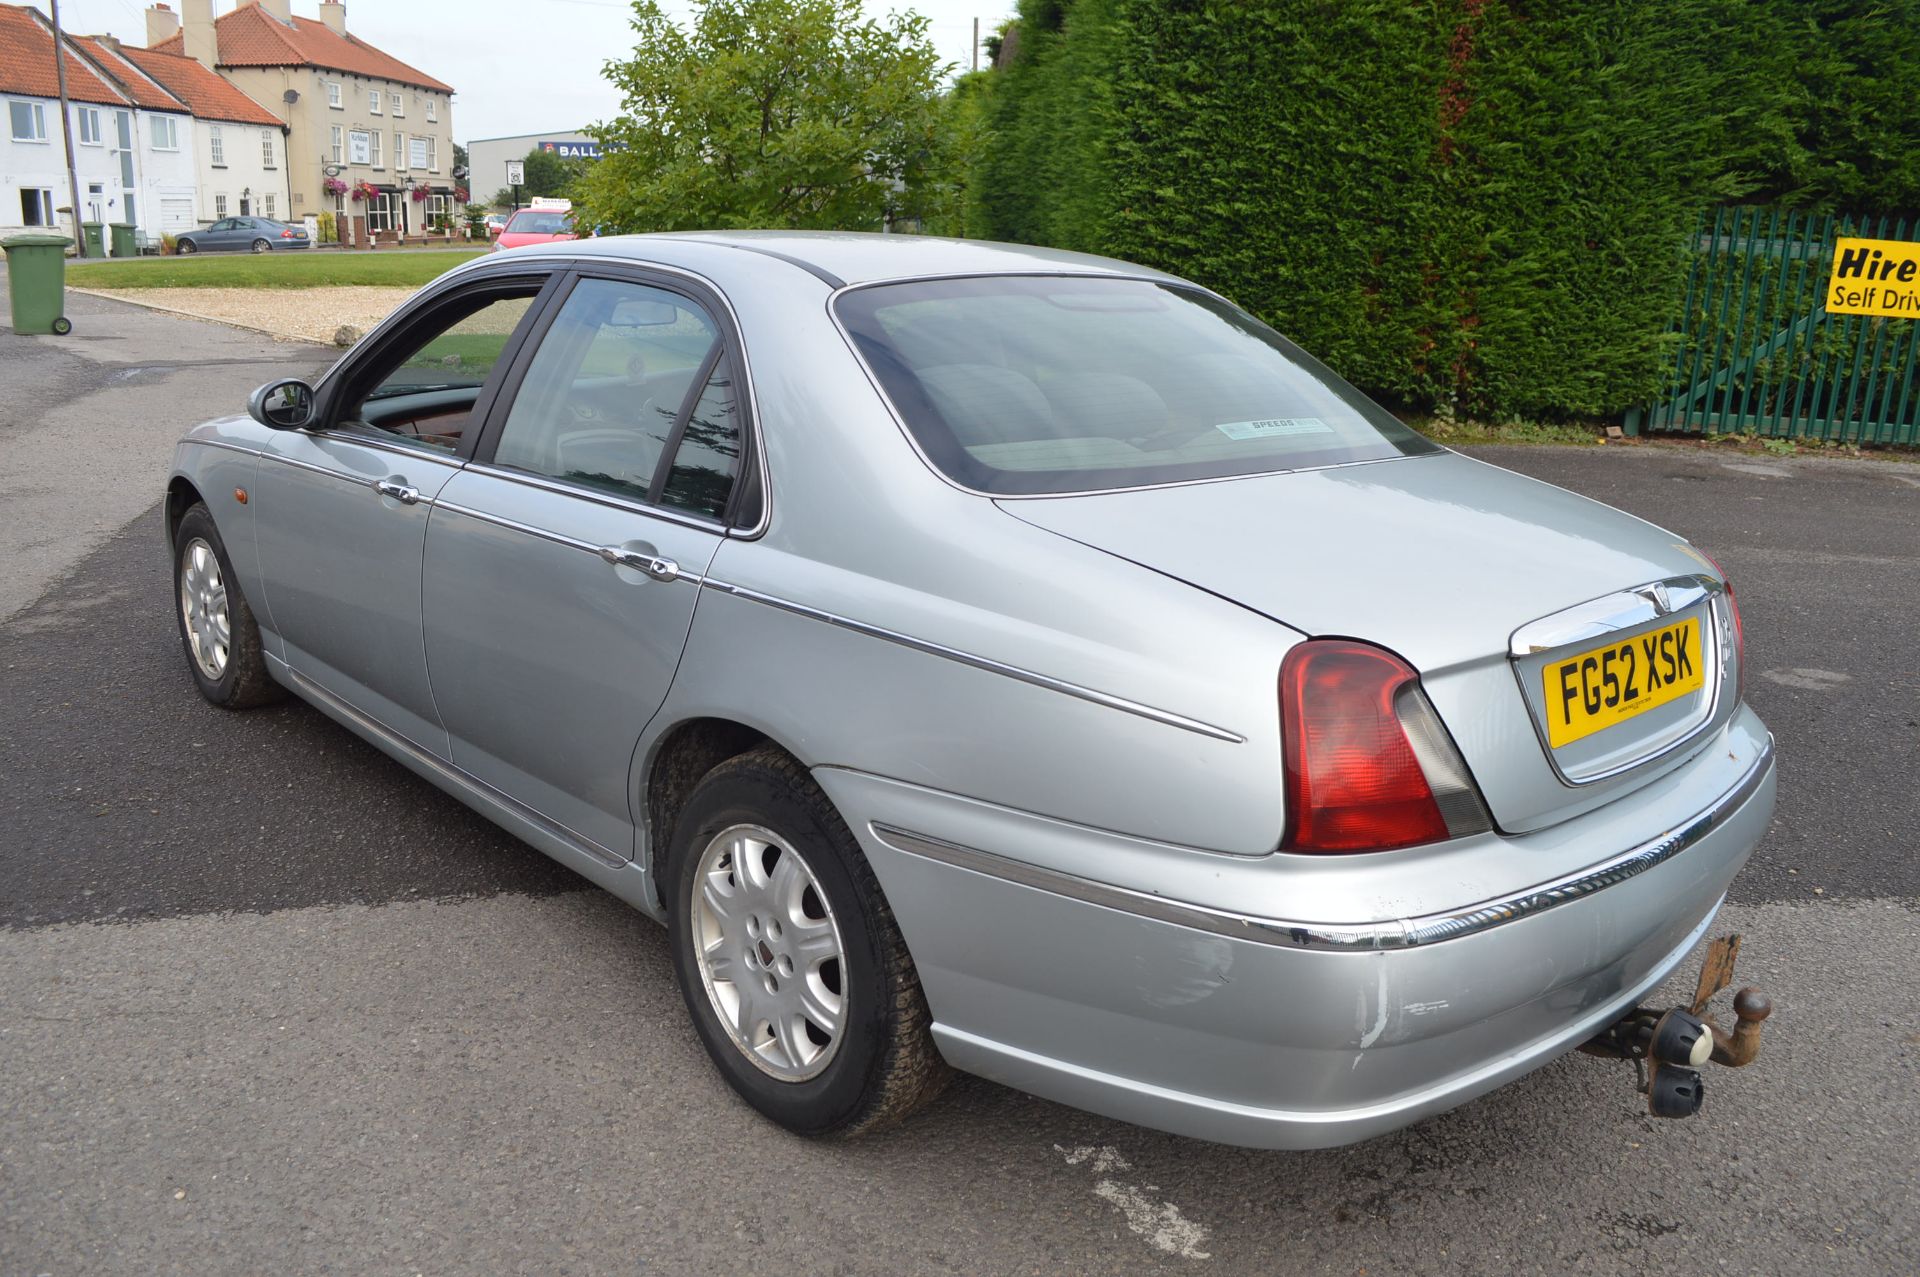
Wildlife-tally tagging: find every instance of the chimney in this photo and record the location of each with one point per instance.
(197, 22)
(162, 25)
(334, 14)
(281, 9)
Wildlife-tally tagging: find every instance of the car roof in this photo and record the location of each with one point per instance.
(847, 257)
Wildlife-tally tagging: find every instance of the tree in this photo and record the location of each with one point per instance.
(547, 174)
(778, 113)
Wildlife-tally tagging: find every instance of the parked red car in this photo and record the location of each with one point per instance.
(542, 223)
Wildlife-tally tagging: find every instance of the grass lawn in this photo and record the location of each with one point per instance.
(269, 270)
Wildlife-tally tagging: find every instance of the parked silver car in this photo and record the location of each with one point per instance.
(1001, 659)
(243, 235)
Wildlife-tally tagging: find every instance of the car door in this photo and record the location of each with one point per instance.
(563, 566)
(341, 509)
(216, 236)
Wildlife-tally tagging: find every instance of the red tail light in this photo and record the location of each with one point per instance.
(1739, 632)
(286, 234)
(1353, 781)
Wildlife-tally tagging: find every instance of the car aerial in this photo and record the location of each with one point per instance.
(243, 235)
(547, 221)
(1000, 659)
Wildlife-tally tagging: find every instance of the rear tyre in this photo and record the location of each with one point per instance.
(261, 246)
(184, 247)
(788, 957)
(217, 629)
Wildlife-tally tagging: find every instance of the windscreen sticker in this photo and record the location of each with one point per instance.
(1273, 427)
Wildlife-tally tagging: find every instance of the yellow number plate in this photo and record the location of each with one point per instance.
(1598, 688)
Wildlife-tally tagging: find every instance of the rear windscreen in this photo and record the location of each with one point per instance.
(1020, 385)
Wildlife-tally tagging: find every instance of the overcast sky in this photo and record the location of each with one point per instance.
(519, 66)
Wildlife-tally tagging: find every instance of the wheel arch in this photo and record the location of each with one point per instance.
(182, 496)
(680, 757)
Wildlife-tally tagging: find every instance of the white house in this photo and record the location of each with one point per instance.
(159, 141)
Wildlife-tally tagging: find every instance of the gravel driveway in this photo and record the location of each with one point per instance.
(302, 314)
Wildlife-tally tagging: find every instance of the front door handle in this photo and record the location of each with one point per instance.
(650, 564)
(400, 492)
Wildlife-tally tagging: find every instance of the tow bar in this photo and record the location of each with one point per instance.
(1669, 1047)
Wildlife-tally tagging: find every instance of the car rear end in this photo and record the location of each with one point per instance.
(1514, 773)
(284, 235)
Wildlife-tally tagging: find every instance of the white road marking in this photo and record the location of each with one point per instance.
(1807, 680)
(1160, 1223)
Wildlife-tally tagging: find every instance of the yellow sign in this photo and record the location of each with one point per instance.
(1875, 277)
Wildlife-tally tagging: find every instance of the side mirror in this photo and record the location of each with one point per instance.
(283, 405)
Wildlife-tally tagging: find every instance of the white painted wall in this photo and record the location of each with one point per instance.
(160, 178)
(244, 172)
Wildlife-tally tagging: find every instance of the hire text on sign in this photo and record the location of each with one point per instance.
(1875, 277)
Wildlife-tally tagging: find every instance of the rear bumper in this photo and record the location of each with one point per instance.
(1235, 1023)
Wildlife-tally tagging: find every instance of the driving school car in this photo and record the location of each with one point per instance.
(545, 221)
(1022, 662)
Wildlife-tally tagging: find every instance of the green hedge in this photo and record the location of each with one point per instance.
(1473, 205)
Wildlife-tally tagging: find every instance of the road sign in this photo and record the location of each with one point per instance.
(516, 172)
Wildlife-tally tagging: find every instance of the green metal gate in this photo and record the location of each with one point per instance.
(1757, 352)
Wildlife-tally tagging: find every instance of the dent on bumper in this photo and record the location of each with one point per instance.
(1269, 1039)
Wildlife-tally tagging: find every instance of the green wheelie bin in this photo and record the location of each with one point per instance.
(37, 282)
(94, 237)
(124, 243)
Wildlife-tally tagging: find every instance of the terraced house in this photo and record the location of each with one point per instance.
(356, 117)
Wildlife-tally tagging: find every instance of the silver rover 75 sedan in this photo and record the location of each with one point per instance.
(995, 659)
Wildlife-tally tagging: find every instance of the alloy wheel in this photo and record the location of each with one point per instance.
(203, 606)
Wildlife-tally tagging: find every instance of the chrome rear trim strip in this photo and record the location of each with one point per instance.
(983, 663)
(1402, 933)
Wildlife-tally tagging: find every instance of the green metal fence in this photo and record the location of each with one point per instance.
(1757, 352)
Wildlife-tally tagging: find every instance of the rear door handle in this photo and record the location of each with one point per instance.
(650, 564)
(400, 492)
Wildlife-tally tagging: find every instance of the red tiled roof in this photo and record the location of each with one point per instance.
(206, 94)
(144, 92)
(26, 62)
(251, 37)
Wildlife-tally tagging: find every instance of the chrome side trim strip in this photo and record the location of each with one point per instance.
(450, 773)
(982, 663)
(543, 534)
(1402, 933)
(222, 443)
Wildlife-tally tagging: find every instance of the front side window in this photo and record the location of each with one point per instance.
(217, 146)
(425, 391)
(29, 120)
(89, 126)
(629, 393)
(166, 132)
(1020, 385)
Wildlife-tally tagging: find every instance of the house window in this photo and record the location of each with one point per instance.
(433, 155)
(374, 138)
(36, 206)
(362, 144)
(399, 104)
(380, 211)
(219, 206)
(89, 126)
(266, 148)
(29, 121)
(433, 109)
(166, 133)
(339, 141)
(333, 95)
(266, 205)
(373, 101)
(400, 150)
(218, 146)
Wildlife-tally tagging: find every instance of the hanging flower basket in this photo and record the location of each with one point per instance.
(460, 193)
(364, 191)
(420, 194)
(334, 186)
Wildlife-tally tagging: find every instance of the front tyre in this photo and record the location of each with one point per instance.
(217, 629)
(788, 957)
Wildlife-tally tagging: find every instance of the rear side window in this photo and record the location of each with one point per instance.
(1021, 385)
(630, 392)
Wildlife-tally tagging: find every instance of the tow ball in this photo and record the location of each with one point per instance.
(1668, 1048)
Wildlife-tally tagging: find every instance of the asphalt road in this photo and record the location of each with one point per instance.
(267, 1002)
